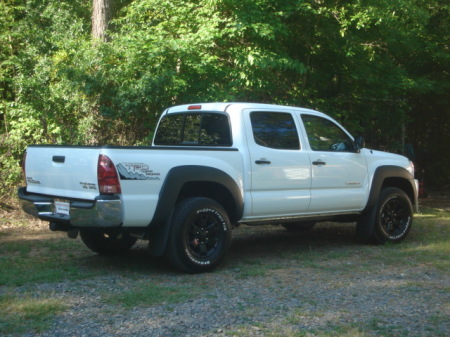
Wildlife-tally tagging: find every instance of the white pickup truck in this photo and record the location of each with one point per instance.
(214, 166)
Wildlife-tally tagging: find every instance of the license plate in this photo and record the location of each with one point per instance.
(62, 207)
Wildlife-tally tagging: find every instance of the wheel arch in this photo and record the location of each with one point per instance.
(384, 176)
(188, 181)
(391, 176)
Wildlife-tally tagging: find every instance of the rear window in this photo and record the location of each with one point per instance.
(194, 129)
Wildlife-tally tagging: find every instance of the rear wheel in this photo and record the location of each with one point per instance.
(393, 218)
(103, 242)
(200, 235)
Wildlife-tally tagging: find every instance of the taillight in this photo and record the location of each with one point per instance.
(108, 180)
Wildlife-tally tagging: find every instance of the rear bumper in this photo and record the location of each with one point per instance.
(104, 211)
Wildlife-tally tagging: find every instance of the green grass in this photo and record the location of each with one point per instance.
(248, 268)
(21, 314)
(150, 294)
(34, 261)
(286, 331)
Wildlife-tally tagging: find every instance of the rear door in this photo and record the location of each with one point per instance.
(280, 168)
(339, 173)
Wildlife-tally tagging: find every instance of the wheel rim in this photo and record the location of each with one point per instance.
(204, 236)
(395, 217)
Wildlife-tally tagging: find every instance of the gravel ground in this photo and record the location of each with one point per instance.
(288, 295)
(288, 300)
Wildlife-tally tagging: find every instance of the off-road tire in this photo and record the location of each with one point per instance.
(107, 243)
(393, 218)
(200, 235)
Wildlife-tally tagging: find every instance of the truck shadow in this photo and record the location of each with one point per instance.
(249, 243)
(271, 241)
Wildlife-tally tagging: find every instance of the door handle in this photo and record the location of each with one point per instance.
(263, 162)
(319, 162)
(59, 159)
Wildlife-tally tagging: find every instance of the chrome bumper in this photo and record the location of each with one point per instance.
(104, 211)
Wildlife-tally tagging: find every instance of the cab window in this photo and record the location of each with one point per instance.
(276, 130)
(324, 135)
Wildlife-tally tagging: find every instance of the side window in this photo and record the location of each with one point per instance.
(275, 130)
(324, 135)
(194, 129)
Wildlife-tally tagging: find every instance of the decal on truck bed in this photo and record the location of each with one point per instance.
(136, 171)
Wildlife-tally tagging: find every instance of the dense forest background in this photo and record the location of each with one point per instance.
(380, 67)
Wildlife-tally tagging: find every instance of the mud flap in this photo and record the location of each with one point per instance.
(365, 224)
(158, 238)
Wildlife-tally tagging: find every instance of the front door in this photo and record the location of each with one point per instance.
(339, 173)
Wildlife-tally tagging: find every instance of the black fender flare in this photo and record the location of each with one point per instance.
(177, 177)
(366, 221)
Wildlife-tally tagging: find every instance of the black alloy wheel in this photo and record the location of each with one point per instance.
(394, 218)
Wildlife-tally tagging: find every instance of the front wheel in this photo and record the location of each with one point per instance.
(393, 217)
(200, 235)
(102, 242)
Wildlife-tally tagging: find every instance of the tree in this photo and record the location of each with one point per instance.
(101, 16)
(378, 66)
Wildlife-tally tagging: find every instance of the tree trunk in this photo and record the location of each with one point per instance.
(101, 15)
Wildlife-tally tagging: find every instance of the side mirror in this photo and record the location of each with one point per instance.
(359, 143)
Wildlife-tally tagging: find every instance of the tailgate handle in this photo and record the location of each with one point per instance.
(59, 159)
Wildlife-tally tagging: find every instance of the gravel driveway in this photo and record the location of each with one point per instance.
(322, 283)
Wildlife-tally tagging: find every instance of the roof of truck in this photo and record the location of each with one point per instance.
(227, 106)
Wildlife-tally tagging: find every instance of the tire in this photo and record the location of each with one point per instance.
(393, 218)
(299, 227)
(200, 235)
(107, 243)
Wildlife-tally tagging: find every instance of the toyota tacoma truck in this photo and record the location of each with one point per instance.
(211, 167)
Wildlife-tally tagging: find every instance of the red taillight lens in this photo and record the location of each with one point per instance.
(108, 180)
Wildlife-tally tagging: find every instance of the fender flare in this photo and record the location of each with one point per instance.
(177, 177)
(365, 225)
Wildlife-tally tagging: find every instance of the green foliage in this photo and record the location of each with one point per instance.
(378, 66)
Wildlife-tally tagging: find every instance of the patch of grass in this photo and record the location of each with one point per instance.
(18, 315)
(150, 294)
(254, 268)
(439, 325)
(428, 243)
(289, 331)
(31, 261)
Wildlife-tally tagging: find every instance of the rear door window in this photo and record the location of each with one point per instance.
(276, 130)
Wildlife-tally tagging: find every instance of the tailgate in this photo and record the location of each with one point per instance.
(62, 171)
